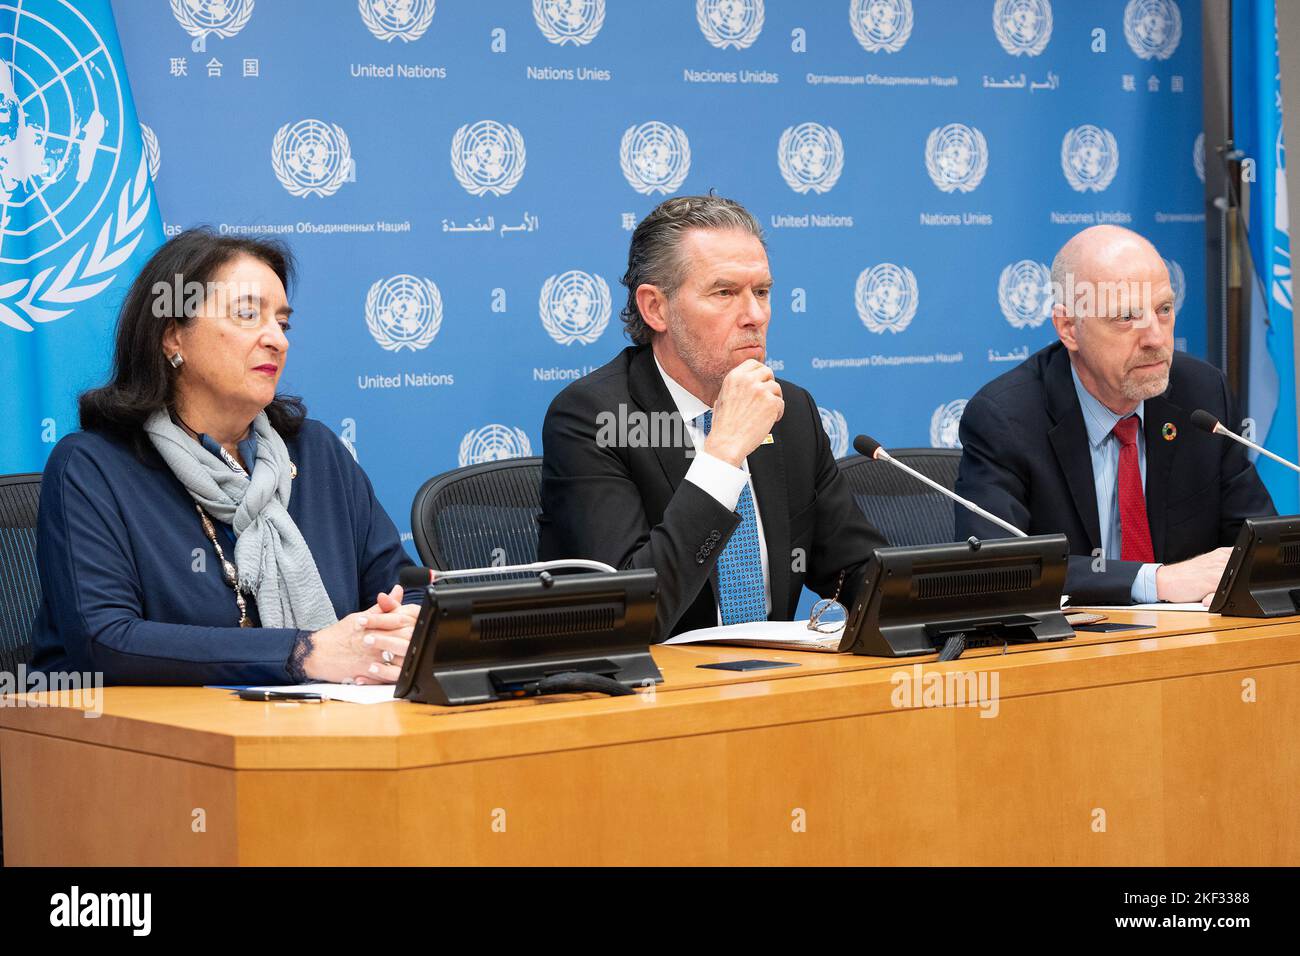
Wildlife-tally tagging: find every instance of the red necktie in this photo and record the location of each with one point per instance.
(1135, 534)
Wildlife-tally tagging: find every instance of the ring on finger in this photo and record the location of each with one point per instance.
(386, 657)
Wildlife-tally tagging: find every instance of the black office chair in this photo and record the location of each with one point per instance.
(904, 510)
(20, 588)
(479, 515)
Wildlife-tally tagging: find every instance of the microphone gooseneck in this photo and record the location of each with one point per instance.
(415, 577)
(868, 447)
(1203, 419)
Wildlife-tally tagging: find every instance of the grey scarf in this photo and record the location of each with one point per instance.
(275, 564)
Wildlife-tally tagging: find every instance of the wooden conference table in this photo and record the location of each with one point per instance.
(1169, 746)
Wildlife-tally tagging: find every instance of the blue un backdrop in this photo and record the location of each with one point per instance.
(459, 181)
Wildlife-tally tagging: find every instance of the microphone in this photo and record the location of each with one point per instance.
(868, 447)
(1204, 420)
(415, 577)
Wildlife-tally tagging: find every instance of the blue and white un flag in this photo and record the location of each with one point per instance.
(1259, 132)
(77, 212)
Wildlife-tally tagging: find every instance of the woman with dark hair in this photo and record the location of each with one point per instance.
(200, 528)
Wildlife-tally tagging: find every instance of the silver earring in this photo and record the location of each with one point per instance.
(177, 360)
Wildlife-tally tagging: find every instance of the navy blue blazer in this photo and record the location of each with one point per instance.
(132, 586)
(1025, 458)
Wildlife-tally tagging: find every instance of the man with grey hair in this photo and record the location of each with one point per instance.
(686, 454)
(1091, 437)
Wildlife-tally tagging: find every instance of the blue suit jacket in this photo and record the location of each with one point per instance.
(1025, 458)
(132, 587)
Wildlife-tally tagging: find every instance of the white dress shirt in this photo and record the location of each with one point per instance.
(715, 477)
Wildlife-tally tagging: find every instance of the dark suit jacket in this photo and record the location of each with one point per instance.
(1025, 458)
(629, 507)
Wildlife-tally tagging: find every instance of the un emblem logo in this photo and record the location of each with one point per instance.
(222, 18)
(837, 430)
(493, 443)
(1153, 28)
(1089, 158)
(312, 157)
(488, 157)
(811, 157)
(574, 307)
(404, 312)
(1023, 26)
(655, 157)
(1177, 282)
(1025, 294)
(730, 23)
(569, 21)
(404, 20)
(886, 296)
(151, 150)
(61, 146)
(956, 157)
(944, 424)
(881, 25)
(1198, 156)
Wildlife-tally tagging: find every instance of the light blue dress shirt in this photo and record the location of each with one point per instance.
(1104, 448)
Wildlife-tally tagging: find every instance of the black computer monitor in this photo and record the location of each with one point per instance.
(1262, 578)
(1001, 590)
(480, 642)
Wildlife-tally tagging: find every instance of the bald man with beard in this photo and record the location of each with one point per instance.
(1091, 437)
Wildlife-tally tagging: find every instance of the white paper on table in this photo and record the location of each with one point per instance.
(1195, 606)
(352, 693)
(787, 632)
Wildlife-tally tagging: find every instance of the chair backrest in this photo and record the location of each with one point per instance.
(903, 509)
(479, 515)
(20, 588)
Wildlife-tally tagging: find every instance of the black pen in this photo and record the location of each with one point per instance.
(250, 694)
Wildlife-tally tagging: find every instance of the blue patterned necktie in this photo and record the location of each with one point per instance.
(740, 566)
